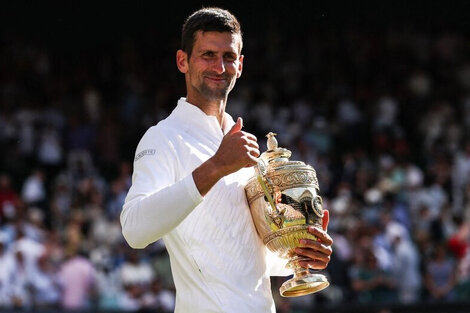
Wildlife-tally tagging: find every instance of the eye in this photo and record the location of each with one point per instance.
(208, 54)
(230, 57)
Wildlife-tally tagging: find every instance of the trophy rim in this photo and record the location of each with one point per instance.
(284, 177)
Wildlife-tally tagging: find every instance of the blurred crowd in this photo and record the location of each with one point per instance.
(383, 115)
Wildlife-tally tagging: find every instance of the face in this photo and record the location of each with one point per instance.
(214, 66)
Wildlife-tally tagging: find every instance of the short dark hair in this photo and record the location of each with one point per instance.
(208, 19)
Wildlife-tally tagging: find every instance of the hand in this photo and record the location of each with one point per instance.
(238, 149)
(318, 251)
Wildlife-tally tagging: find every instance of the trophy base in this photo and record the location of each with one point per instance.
(302, 284)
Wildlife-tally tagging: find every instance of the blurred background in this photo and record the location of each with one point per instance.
(374, 95)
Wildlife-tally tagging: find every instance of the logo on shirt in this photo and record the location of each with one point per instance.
(143, 153)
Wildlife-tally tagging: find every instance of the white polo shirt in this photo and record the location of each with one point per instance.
(218, 262)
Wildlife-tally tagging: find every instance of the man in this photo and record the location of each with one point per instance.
(188, 183)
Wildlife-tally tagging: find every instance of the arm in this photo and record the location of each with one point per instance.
(145, 219)
(159, 198)
(157, 203)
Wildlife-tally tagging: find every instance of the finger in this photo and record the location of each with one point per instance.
(252, 147)
(237, 127)
(321, 235)
(314, 246)
(314, 264)
(325, 220)
(250, 136)
(314, 254)
(249, 143)
(253, 158)
(253, 151)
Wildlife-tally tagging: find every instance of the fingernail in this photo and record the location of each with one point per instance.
(303, 241)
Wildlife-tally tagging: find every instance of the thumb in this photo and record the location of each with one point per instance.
(237, 127)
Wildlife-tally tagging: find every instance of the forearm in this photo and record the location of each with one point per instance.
(146, 219)
(206, 176)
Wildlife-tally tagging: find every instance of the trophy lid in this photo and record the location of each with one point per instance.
(276, 160)
(278, 172)
(275, 153)
(276, 156)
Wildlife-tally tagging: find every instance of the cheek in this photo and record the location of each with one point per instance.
(233, 68)
(197, 67)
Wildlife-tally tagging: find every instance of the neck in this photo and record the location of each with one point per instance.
(213, 108)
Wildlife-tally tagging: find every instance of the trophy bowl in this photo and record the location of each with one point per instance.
(284, 201)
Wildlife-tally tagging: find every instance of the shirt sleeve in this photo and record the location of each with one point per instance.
(157, 201)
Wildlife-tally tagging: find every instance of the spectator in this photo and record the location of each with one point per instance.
(10, 201)
(44, 283)
(135, 271)
(77, 278)
(406, 263)
(370, 283)
(29, 249)
(158, 298)
(33, 192)
(463, 278)
(50, 151)
(109, 285)
(20, 286)
(440, 275)
(7, 273)
(459, 241)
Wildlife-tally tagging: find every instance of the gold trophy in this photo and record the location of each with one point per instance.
(284, 201)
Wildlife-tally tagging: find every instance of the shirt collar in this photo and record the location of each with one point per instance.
(194, 118)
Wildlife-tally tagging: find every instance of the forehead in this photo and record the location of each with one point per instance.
(215, 41)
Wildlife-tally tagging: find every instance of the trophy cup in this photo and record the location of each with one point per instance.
(284, 202)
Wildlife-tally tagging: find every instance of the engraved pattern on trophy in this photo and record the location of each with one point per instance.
(284, 201)
(283, 180)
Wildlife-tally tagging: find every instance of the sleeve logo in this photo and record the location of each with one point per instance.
(143, 153)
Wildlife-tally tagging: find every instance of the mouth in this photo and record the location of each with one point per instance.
(216, 79)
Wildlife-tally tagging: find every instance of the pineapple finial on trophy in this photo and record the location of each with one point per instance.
(272, 141)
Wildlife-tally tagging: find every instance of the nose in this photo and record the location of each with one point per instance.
(218, 65)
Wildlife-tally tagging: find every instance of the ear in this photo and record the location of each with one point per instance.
(182, 61)
(240, 65)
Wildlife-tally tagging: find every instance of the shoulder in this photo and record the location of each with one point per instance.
(163, 137)
(163, 132)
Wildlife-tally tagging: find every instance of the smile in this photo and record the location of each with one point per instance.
(216, 79)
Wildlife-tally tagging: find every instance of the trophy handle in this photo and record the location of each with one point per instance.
(276, 215)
